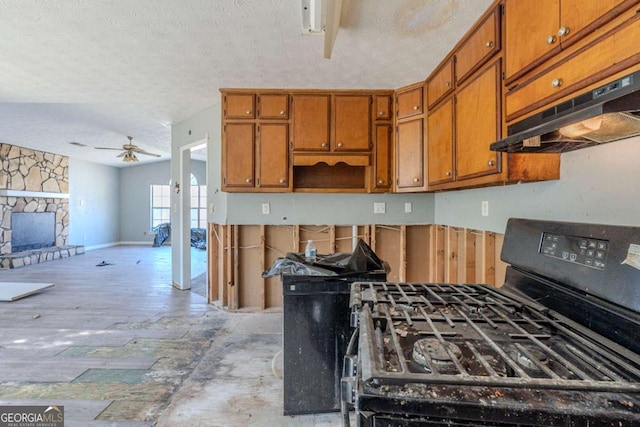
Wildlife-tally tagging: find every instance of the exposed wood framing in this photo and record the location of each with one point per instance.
(415, 253)
(213, 255)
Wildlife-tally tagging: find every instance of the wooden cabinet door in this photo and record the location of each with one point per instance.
(409, 103)
(477, 123)
(440, 144)
(410, 155)
(239, 106)
(441, 84)
(531, 33)
(577, 16)
(273, 106)
(273, 156)
(382, 105)
(352, 123)
(591, 64)
(382, 158)
(238, 155)
(479, 47)
(311, 122)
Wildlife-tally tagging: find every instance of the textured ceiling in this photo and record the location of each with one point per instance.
(95, 71)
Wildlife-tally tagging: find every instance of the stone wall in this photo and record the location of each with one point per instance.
(27, 170)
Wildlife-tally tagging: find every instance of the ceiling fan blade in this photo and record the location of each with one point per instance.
(146, 153)
(107, 148)
(122, 154)
(332, 24)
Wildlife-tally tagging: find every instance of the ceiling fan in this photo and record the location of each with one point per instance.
(129, 151)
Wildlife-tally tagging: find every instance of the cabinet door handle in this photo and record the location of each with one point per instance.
(556, 82)
(563, 31)
(340, 144)
(248, 112)
(551, 39)
(282, 112)
(416, 179)
(381, 181)
(491, 163)
(248, 180)
(416, 107)
(489, 44)
(282, 181)
(448, 173)
(324, 144)
(381, 113)
(447, 84)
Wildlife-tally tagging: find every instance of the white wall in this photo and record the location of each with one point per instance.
(94, 204)
(135, 200)
(597, 185)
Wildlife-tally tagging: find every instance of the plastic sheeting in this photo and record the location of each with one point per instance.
(362, 260)
(163, 232)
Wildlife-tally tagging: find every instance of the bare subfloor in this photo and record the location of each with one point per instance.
(117, 345)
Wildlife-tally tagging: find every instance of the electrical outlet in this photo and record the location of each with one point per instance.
(407, 207)
(266, 209)
(485, 208)
(212, 209)
(379, 208)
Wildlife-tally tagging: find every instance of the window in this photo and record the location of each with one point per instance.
(198, 206)
(160, 204)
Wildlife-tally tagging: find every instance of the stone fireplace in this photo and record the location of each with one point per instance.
(33, 182)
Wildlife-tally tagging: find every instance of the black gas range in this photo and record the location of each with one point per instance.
(557, 345)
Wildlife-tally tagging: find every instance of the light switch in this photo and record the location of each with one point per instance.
(379, 208)
(485, 208)
(407, 207)
(266, 209)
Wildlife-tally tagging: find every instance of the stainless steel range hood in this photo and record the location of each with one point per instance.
(608, 113)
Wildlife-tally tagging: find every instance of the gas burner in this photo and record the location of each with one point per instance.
(527, 357)
(432, 355)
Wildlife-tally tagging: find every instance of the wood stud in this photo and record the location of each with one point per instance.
(427, 253)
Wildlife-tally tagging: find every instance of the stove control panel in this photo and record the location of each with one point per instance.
(580, 250)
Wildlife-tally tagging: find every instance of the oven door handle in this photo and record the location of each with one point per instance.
(348, 380)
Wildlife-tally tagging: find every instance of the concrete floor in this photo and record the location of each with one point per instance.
(119, 346)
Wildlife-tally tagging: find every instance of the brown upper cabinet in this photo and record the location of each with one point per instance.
(255, 142)
(410, 156)
(352, 123)
(580, 67)
(477, 124)
(383, 107)
(381, 181)
(311, 124)
(461, 129)
(440, 143)
(319, 128)
(535, 30)
(238, 155)
(239, 106)
(255, 157)
(409, 102)
(273, 106)
(481, 45)
(440, 83)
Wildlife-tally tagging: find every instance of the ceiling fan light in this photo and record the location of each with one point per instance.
(129, 157)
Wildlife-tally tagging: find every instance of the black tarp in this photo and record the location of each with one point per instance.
(163, 232)
(362, 260)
